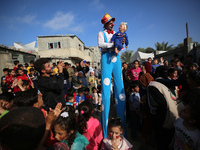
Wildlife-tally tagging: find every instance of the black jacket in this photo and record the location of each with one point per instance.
(51, 89)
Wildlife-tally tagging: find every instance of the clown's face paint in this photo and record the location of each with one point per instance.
(60, 134)
(115, 132)
(109, 25)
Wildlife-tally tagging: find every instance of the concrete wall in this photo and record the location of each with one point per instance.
(8, 56)
(72, 50)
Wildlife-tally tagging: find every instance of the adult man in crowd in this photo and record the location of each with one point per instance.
(110, 65)
(50, 86)
(70, 72)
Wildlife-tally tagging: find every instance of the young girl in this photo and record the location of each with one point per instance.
(88, 126)
(65, 131)
(115, 140)
(95, 99)
(135, 71)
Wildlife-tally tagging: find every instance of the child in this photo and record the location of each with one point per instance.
(22, 76)
(154, 65)
(88, 126)
(80, 97)
(10, 78)
(134, 103)
(115, 140)
(28, 122)
(3, 78)
(172, 73)
(22, 67)
(33, 76)
(65, 131)
(195, 67)
(16, 63)
(31, 66)
(135, 71)
(99, 100)
(87, 94)
(91, 80)
(120, 38)
(6, 100)
(95, 99)
(178, 67)
(70, 100)
(187, 127)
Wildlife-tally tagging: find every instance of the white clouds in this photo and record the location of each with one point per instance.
(60, 21)
(97, 5)
(28, 19)
(64, 21)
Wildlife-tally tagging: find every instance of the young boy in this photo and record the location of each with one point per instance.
(178, 67)
(80, 97)
(70, 101)
(87, 94)
(31, 66)
(3, 78)
(22, 76)
(134, 104)
(187, 127)
(10, 78)
(16, 63)
(33, 76)
(22, 67)
(172, 73)
(154, 65)
(195, 67)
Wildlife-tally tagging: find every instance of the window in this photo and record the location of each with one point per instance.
(54, 45)
(80, 48)
(89, 53)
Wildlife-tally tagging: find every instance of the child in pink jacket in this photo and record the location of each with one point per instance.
(135, 71)
(88, 126)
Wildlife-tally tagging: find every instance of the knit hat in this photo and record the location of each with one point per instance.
(106, 18)
(145, 79)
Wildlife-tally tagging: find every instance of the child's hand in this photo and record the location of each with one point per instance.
(49, 120)
(116, 51)
(57, 110)
(126, 46)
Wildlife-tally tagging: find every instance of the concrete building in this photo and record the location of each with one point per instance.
(68, 48)
(9, 54)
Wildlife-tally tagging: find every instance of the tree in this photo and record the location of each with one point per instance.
(126, 56)
(147, 50)
(163, 46)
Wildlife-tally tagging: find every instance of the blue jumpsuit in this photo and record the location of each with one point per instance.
(111, 65)
(118, 38)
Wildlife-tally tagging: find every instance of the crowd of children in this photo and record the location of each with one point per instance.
(162, 103)
(150, 89)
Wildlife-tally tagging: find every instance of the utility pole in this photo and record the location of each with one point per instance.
(187, 41)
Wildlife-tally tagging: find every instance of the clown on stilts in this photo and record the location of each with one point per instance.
(110, 65)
